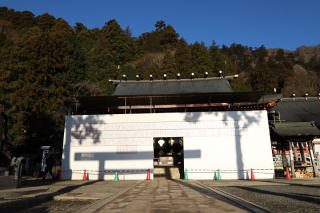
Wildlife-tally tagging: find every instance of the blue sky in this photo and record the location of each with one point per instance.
(286, 24)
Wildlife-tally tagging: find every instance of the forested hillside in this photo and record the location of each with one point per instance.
(45, 63)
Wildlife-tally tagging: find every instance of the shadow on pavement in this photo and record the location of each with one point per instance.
(291, 183)
(298, 194)
(27, 203)
(32, 191)
(292, 196)
(36, 182)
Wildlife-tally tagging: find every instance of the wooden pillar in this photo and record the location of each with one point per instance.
(314, 166)
(77, 106)
(293, 172)
(301, 151)
(294, 152)
(284, 159)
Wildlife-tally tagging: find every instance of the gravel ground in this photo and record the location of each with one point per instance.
(277, 195)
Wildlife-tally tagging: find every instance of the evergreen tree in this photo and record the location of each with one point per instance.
(123, 48)
(169, 37)
(160, 25)
(266, 78)
(217, 58)
(150, 42)
(28, 89)
(79, 27)
(260, 53)
(183, 58)
(169, 65)
(201, 60)
(101, 68)
(45, 21)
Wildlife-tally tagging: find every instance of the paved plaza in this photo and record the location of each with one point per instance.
(168, 196)
(162, 195)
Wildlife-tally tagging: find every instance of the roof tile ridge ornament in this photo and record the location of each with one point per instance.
(230, 77)
(306, 97)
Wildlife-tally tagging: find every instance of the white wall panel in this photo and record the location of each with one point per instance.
(233, 142)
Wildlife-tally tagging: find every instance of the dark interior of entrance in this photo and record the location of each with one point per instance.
(168, 157)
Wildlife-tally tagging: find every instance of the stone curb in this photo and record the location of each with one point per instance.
(80, 198)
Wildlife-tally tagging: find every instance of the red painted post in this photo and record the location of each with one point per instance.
(148, 175)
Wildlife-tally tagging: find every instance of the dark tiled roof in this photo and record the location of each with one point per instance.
(295, 129)
(299, 110)
(172, 87)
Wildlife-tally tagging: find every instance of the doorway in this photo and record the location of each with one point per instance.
(168, 157)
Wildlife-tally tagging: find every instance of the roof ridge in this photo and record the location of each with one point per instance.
(173, 80)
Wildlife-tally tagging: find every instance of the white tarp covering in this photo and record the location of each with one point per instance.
(233, 142)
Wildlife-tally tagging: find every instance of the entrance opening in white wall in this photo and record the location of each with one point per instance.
(168, 157)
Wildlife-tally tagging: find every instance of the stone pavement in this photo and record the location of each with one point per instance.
(64, 190)
(162, 195)
(157, 195)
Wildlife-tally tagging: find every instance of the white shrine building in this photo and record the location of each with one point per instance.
(169, 127)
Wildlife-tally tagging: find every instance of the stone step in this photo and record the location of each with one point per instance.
(167, 172)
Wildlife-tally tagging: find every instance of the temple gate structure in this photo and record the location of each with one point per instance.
(197, 126)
